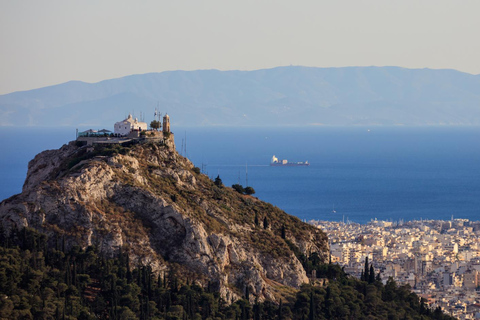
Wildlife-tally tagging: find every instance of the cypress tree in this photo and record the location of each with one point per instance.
(311, 315)
(371, 276)
(366, 275)
(68, 275)
(159, 281)
(328, 304)
(257, 223)
(129, 272)
(74, 276)
(283, 232)
(256, 310)
(190, 305)
(265, 223)
(2, 234)
(280, 315)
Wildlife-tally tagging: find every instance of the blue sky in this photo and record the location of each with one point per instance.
(53, 41)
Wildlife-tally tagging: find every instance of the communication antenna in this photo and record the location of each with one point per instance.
(157, 112)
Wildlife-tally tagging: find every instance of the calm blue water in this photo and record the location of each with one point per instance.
(384, 173)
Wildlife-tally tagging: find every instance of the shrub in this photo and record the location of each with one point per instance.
(238, 187)
(249, 190)
(80, 143)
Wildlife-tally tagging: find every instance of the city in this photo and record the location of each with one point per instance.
(440, 260)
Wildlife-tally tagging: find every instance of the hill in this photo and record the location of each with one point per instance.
(273, 97)
(152, 203)
(137, 232)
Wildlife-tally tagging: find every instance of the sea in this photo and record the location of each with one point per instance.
(356, 174)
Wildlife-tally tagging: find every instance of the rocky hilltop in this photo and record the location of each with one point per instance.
(151, 202)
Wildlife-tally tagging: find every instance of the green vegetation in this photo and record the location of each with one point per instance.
(42, 279)
(83, 154)
(218, 182)
(196, 170)
(249, 190)
(240, 189)
(155, 124)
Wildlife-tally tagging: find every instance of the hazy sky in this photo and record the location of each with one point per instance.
(52, 41)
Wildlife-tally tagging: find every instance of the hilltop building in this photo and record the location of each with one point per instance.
(128, 125)
(129, 131)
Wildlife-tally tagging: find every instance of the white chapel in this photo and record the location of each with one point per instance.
(126, 126)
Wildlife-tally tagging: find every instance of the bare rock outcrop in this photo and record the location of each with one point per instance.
(148, 200)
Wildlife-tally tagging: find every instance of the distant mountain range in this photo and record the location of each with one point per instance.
(280, 96)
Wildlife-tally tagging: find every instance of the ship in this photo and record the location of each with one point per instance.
(284, 163)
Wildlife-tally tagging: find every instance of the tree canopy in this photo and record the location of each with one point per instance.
(155, 124)
(218, 182)
(40, 278)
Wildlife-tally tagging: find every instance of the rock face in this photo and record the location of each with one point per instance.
(149, 200)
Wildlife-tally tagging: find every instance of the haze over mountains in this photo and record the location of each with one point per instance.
(270, 97)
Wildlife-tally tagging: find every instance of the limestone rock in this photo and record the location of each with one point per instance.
(150, 202)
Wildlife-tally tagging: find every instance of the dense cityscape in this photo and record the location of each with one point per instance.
(440, 260)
